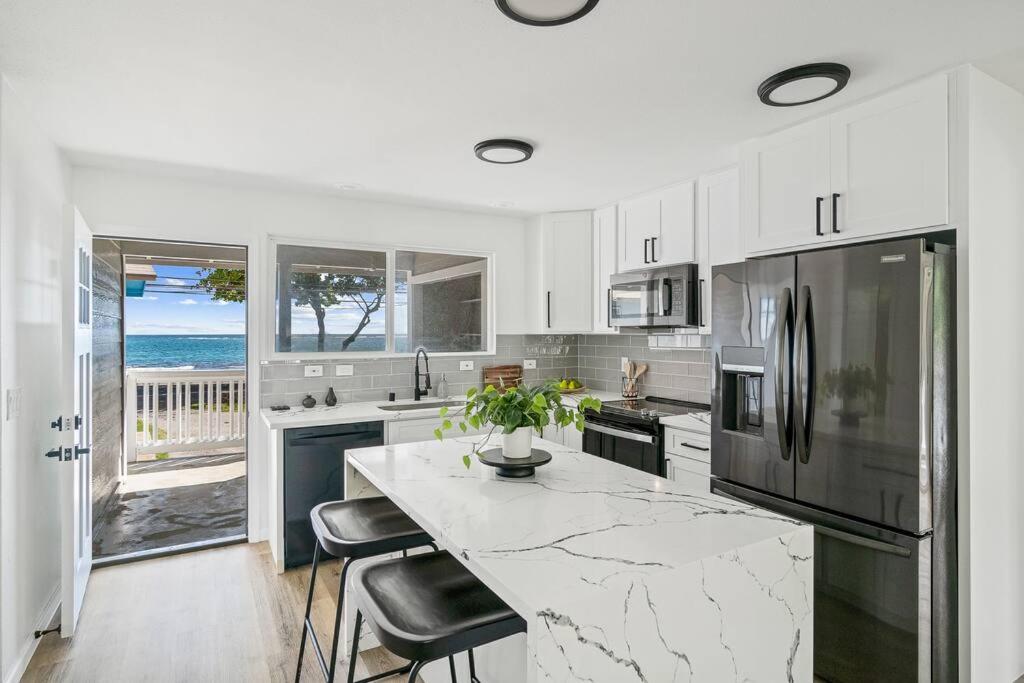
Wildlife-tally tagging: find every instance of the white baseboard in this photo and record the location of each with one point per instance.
(29, 645)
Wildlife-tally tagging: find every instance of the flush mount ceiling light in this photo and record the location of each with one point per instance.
(503, 151)
(545, 12)
(803, 84)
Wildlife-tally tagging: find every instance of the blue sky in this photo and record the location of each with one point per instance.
(192, 313)
(197, 312)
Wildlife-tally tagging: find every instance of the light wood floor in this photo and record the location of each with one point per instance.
(212, 615)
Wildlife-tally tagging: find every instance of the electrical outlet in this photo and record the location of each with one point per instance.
(625, 364)
(530, 364)
(465, 365)
(314, 370)
(344, 370)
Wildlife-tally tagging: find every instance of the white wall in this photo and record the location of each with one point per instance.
(151, 206)
(995, 475)
(33, 189)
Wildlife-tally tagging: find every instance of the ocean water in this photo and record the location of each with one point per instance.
(218, 351)
(199, 351)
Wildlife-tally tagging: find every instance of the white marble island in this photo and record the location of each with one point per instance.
(620, 575)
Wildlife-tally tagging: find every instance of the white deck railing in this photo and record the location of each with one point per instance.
(168, 411)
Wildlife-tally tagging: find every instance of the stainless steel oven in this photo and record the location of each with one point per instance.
(663, 297)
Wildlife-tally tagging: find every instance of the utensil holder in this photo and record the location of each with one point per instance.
(629, 388)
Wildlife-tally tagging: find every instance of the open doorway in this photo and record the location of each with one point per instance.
(169, 453)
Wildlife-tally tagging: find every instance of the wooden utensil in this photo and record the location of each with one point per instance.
(640, 370)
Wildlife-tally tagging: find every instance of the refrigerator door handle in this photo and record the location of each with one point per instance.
(782, 319)
(863, 541)
(803, 421)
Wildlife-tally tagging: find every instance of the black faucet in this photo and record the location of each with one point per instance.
(417, 392)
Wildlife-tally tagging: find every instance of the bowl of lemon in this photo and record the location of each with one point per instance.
(568, 385)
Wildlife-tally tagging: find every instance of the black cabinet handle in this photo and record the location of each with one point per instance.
(54, 453)
(835, 218)
(700, 302)
(610, 307)
(817, 218)
(58, 424)
(646, 240)
(653, 260)
(549, 308)
(80, 451)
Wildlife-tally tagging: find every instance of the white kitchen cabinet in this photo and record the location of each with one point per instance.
(639, 220)
(889, 168)
(422, 429)
(657, 228)
(604, 266)
(718, 239)
(567, 436)
(784, 187)
(675, 241)
(875, 168)
(688, 472)
(567, 284)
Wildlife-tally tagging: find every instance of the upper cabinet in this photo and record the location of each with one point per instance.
(785, 182)
(605, 242)
(657, 229)
(566, 273)
(875, 168)
(718, 238)
(889, 167)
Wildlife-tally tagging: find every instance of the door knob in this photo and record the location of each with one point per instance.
(80, 451)
(54, 452)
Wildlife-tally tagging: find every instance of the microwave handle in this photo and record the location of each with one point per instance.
(665, 297)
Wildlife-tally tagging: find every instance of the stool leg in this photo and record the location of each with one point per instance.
(337, 621)
(451, 667)
(415, 671)
(355, 648)
(472, 668)
(309, 605)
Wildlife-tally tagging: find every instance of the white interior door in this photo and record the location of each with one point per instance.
(76, 467)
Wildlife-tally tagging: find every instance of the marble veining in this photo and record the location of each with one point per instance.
(621, 575)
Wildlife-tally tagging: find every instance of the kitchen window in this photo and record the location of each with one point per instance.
(364, 301)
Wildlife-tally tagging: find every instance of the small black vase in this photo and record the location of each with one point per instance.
(331, 399)
(308, 402)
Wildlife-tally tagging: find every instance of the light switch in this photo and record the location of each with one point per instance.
(314, 371)
(465, 365)
(343, 370)
(530, 364)
(13, 403)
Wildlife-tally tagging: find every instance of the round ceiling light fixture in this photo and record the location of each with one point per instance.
(503, 151)
(545, 12)
(803, 84)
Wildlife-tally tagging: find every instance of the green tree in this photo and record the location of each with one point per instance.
(319, 291)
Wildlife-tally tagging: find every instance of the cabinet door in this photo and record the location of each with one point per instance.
(567, 278)
(639, 221)
(784, 177)
(889, 162)
(409, 431)
(718, 238)
(674, 242)
(572, 438)
(604, 266)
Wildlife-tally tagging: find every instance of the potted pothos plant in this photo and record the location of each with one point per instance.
(517, 412)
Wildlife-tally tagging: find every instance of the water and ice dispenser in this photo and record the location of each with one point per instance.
(743, 389)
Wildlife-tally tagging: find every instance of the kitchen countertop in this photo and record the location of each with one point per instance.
(620, 575)
(370, 412)
(694, 422)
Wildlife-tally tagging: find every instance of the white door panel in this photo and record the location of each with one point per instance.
(76, 467)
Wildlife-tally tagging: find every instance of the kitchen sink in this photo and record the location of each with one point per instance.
(422, 405)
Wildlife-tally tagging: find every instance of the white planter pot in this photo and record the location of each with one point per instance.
(518, 444)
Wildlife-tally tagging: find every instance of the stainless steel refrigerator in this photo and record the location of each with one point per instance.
(833, 402)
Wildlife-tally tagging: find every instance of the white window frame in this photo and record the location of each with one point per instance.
(389, 250)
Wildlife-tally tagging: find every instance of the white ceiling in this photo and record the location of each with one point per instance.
(392, 95)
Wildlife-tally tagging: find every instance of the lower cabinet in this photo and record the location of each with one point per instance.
(688, 458)
(569, 437)
(408, 431)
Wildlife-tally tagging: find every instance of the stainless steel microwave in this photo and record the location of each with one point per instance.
(658, 298)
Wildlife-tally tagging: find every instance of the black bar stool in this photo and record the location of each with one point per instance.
(428, 607)
(352, 530)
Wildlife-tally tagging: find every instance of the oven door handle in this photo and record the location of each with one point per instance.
(632, 436)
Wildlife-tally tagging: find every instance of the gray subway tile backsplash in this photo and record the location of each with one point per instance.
(682, 373)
